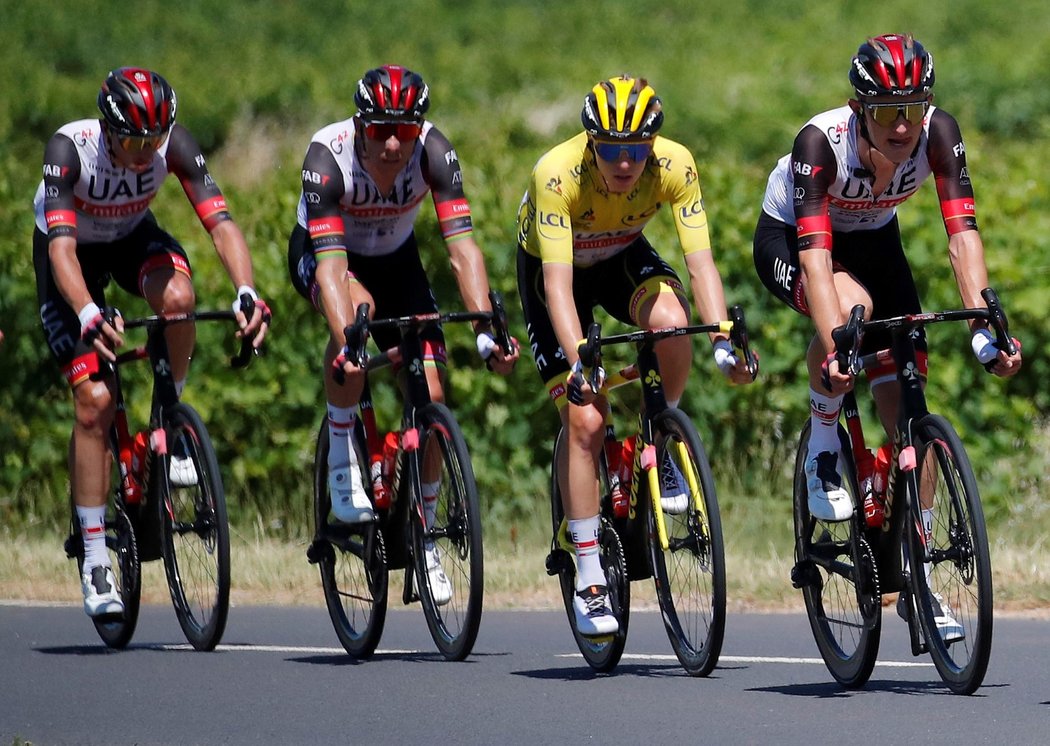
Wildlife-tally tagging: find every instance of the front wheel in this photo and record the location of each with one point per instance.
(352, 562)
(115, 631)
(604, 653)
(195, 532)
(690, 573)
(446, 534)
(836, 571)
(955, 580)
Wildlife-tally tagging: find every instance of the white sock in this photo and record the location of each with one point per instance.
(93, 531)
(340, 426)
(824, 421)
(584, 534)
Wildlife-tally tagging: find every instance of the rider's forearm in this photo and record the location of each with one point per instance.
(708, 293)
(67, 272)
(821, 295)
(233, 253)
(967, 256)
(557, 282)
(468, 266)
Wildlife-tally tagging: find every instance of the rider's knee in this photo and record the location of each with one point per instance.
(93, 406)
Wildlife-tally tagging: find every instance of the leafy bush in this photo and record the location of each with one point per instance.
(738, 80)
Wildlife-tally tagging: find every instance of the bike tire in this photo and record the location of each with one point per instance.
(960, 573)
(195, 530)
(602, 654)
(846, 628)
(115, 631)
(690, 575)
(455, 535)
(351, 560)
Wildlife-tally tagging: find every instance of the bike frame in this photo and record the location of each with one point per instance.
(902, 487)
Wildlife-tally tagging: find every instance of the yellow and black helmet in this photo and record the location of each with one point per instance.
(622, 108)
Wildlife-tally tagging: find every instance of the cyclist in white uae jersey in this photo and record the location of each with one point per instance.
(828, 237)
(364, 181)
(93, 223)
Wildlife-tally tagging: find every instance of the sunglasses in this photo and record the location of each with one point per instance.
(613, 152)
(133, 144)
(886, 114)
(383, 131)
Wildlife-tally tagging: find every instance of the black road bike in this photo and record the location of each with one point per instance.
(354, 560)
(151, 516)
(932, 545)
(681, 551)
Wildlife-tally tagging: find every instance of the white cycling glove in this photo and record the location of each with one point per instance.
(983, 344)
(241, 291)
(486, 343)
(724, 357)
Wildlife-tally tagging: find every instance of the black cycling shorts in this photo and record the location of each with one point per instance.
(397, 282)
(127, 261)
(875, 258)
(618, 284)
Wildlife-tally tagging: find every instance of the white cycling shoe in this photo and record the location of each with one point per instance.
(101, 595)
(181, 471)
(440, 585)
(828, 499)
(350, 503)
(674, 497)
(594, 617)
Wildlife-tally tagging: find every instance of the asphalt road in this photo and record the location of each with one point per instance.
(281, 677)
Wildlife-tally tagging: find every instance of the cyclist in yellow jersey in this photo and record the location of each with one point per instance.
(580, 245)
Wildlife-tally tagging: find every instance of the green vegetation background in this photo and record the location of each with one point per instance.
(256, 79)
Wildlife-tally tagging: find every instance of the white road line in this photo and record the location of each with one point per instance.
(755, 659)
(236, 648)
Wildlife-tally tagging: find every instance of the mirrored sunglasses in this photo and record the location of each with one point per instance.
(886, 114)
(385, 130)
(614, 152)
(133, 144)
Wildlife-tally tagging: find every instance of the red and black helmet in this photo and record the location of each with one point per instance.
(392, 93)
(137, 103)
(892, 64)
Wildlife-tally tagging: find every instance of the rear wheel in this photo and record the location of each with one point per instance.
(446, 538)
(690, 573)
(836, 571)
(195, 532)
(957, 577)
(352, 562)
(602, 654)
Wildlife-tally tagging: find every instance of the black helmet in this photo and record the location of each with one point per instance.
(622, 108)
(392, 93)
(892, 64)
(137, 103)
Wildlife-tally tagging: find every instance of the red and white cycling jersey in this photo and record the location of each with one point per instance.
(823, 178)
(343, 209)
(86, 195)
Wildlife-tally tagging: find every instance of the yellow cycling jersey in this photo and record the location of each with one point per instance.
(568, 216)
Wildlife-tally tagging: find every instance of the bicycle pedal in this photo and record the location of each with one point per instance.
(319, 550)
(804, 574)
(74, 546)
(557, 562)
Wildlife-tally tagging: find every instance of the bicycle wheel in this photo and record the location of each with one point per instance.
(602, 654)
(352, 562)
(446, 536)
(958, 574)
(115, 631)
(690, 574)
(195, 533)
(836, 571)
